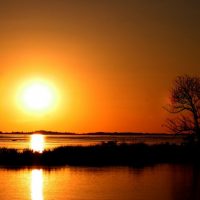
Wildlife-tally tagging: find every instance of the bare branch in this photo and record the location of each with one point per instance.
(185, 98)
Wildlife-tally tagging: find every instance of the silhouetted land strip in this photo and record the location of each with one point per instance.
(105, 154)
(92, 133)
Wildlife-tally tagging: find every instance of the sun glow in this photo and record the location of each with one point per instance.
(37, 143)
(37, 184)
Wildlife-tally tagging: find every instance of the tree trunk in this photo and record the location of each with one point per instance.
(196, 123)
(196, 128)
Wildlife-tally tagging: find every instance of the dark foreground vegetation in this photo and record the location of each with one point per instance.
(105, 154)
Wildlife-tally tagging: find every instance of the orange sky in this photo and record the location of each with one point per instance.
(111, 62)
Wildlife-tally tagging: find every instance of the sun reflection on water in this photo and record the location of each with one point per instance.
(37, 143)
(37, 184)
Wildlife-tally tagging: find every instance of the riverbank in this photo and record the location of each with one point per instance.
(105, 154)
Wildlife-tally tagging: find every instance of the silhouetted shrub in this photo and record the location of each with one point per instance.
(105, 154)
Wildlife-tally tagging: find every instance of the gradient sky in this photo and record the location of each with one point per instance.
(112, 62)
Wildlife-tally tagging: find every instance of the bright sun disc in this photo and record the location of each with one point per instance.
(38, 96)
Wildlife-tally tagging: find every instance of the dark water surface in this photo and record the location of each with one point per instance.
(161, 182)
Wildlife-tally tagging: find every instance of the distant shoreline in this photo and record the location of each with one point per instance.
(90, 133)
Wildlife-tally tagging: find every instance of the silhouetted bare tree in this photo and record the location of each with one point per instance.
(185, 101)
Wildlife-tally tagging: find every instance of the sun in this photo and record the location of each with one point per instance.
(37, 96)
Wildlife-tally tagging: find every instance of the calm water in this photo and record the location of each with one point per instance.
(20, 141)
(162, 182)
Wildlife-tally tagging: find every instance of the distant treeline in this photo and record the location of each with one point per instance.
(105, 154)
(39, 132)
(92, 133)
